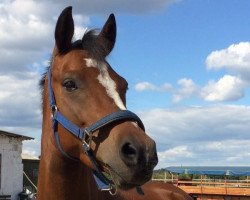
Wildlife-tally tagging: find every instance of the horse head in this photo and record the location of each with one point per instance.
(86, 89)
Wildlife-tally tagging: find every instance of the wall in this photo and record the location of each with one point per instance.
(12, 167)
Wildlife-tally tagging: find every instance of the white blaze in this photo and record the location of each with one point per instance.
(107, 82)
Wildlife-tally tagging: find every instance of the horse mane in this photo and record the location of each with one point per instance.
(90, 43)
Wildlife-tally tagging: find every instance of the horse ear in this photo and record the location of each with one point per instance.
(64, 30)
(107, 35)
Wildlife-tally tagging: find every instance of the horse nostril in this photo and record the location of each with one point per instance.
(128, 150)
(129, 153)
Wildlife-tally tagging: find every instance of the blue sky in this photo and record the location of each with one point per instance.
(187, 63)
(174, 44)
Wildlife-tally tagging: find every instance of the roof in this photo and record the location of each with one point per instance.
(222, 171)
(8, 134)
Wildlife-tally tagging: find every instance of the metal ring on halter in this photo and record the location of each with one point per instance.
(53, 110)
(112, 187)
(113, 190)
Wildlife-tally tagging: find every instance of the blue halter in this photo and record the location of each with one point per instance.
(85, 134)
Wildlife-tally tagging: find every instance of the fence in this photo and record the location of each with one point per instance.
(219, 187)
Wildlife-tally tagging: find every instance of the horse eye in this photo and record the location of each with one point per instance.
(69, 85)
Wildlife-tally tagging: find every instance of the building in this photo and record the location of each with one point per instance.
(30, 168)
(11, 167)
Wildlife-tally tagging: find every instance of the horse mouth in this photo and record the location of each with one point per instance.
(122, 183)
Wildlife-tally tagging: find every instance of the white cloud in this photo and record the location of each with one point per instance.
(187, 89)
(210, 135)
(27, 27)
(143, 86)
(176, 151)
(235, 58)
(228, 88)
(166, 87)
(27, 33)
(220, 153)
(31, 148)
(114, 6)
(20, 101)
(27, 39)
(173, 156)
(231, 152)
(198, 123)
(216, 135)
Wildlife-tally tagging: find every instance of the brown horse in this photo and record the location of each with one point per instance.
(86, 127)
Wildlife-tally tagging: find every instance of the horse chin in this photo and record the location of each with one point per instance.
(122, 182)
(126, 186)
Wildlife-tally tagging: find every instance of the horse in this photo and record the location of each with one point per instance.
(153, 190)
(92, 147)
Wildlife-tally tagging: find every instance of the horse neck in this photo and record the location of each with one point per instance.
(60, 177)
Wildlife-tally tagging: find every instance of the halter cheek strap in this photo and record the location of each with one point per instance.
(85, 134)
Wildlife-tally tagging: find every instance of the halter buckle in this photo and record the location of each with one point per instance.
(87, 138)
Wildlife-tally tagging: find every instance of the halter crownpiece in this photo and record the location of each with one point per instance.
(85, 134)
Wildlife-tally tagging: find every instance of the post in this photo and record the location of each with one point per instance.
(225, 184)
(201, 186)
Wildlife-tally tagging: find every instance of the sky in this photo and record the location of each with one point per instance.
(187, 63)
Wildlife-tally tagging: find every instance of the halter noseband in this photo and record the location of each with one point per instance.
(85, 134)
